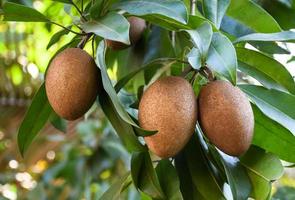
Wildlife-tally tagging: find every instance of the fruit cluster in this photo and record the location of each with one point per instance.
(169, 105)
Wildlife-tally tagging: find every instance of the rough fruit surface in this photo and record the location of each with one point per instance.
(72, 83)
(226, 117)
(137, 26)
(169, 106)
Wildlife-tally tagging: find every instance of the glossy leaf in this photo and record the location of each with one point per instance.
(262, 169)
(123, 129)
(251, 15)
(168, 180)
(273, 137)
(17, 12)
(280, 36)
(144, 175)
(35, 118)
(56, 37)
(222, 57)
(110, 90)
(114, 192)
(214, 10)
(194, 58)
(273, 103)
(113, 26)
(201, 38)
(265, 69)
(58, 122)
(169, 9)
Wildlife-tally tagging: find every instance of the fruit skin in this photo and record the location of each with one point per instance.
(137, 26)
(72, 83)
(226, 117)
(169, 105)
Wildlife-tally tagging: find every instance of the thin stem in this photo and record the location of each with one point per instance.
(82, 6)
(79, 11)
(193, 7)
(93, 45)
(57, 24)
(84, 40)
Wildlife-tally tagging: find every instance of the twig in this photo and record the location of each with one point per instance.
(92, 44)
(193, 7)
(84, 40)
(57, 24)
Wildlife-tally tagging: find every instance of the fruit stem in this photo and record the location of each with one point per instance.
(187, 70)
(205, 71)
(84, 40)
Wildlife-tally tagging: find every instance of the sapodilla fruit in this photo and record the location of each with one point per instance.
(169, 106)
(137, 26)
(71, 83)
(226, 117)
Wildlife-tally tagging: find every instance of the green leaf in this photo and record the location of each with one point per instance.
(35, 118)
(17, 12)
(144, 175)
(169, 180)
(273, 137)
(201, 38)
(164, 12)
(64, 1)
(58, 122)
(95, 10)
(108, 87)
(280, 36)
(237, 177)
(123, 129)
(194, 58)
(215, 10)
(265, 69)
(112, 26)
(222, 57)
(196, 178)
(275, 104)
(56, 37)
(262, 169)
(251, 15)
(114, 192)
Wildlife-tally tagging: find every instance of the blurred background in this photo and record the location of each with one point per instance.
(82, 162)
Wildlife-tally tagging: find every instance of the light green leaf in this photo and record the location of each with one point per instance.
(265, 69)
(112, 26)
(273, 103)
(214, 10)
(222, 57)
(17, 12)
(201, 38)
(252, 16)
(280, 36)
(194, 58)
(35, 118)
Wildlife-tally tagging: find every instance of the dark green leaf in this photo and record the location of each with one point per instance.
(275, 104)
(222, 57)
(201, 38)
(123, 129)
(113, 26)
(144, 175)
(95, 11)
(56, 37)
(17, 12)
(35, 118)
(215, 10)
(168, 180)
(265, 69)
(280, 36)
(252, 16)
(273, 137)
(58, 122)
(114, 192)
(171, 9)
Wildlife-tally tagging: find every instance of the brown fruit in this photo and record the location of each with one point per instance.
(137, 26)
(226, 117)
(169, 106)
(71, 83)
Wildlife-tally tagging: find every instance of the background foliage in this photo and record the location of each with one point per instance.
(243, 41)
